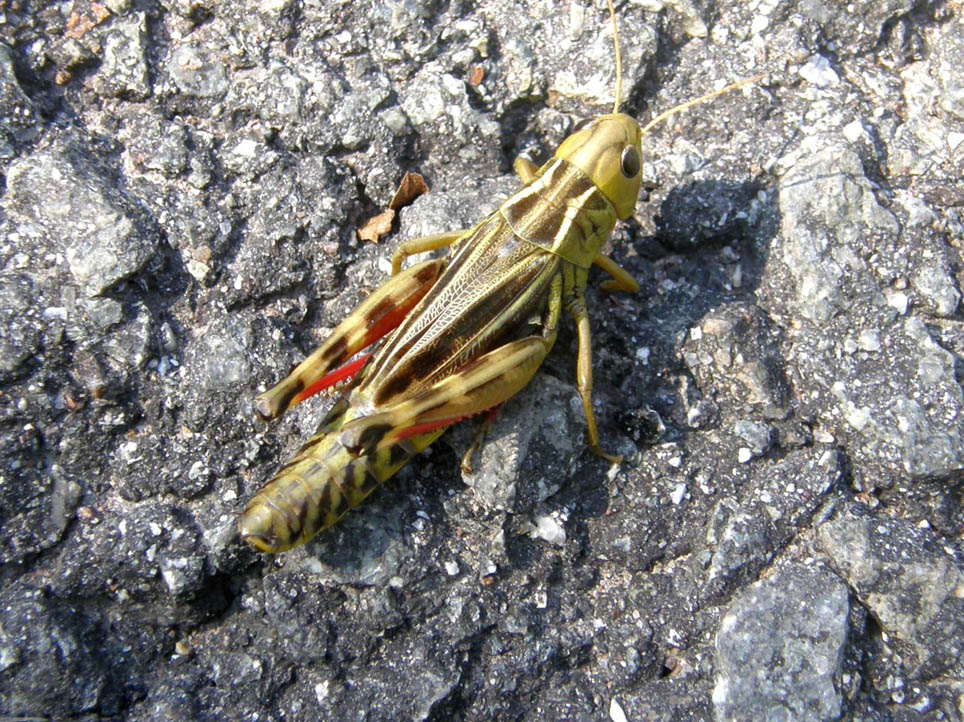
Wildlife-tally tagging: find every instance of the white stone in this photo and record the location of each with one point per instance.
(817, 71)
(616, 713)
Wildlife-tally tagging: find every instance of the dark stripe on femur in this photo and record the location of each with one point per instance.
(357, 443)
(385, 306)
(397, 455)
(368, 484)
(269, 408)
(337, 349)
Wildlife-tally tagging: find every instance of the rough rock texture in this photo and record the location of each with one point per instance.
(51, 191)
(780, 648)
(180, 185)
(913, 587)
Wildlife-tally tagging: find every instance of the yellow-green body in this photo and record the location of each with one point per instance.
(480, 323)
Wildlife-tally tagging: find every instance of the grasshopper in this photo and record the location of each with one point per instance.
(467, 331)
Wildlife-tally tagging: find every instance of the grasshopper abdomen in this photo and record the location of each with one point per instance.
(319, 486)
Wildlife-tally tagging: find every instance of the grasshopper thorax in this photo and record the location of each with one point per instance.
(609, 151)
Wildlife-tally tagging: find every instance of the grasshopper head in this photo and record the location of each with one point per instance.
(609, 150)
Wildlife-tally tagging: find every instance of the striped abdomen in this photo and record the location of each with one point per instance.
(316, 488)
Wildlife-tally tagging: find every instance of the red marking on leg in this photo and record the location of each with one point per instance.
(392, 318)
(428, 426)
(419, 429)
(335, 377)
(380, 326)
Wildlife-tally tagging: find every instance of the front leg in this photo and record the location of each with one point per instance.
(422, 245)
(621, 280)
(525, 169)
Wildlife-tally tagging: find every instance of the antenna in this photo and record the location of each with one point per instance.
(702, 99)
(619, 62)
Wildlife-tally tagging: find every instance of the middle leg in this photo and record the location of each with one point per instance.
(577, 309)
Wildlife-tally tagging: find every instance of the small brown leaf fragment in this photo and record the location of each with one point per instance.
(377, 226)
(411, 187)
(478, 74)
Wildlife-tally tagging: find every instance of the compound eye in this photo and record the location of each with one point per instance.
(629, 163)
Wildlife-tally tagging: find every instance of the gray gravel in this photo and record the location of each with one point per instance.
(181, 184)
